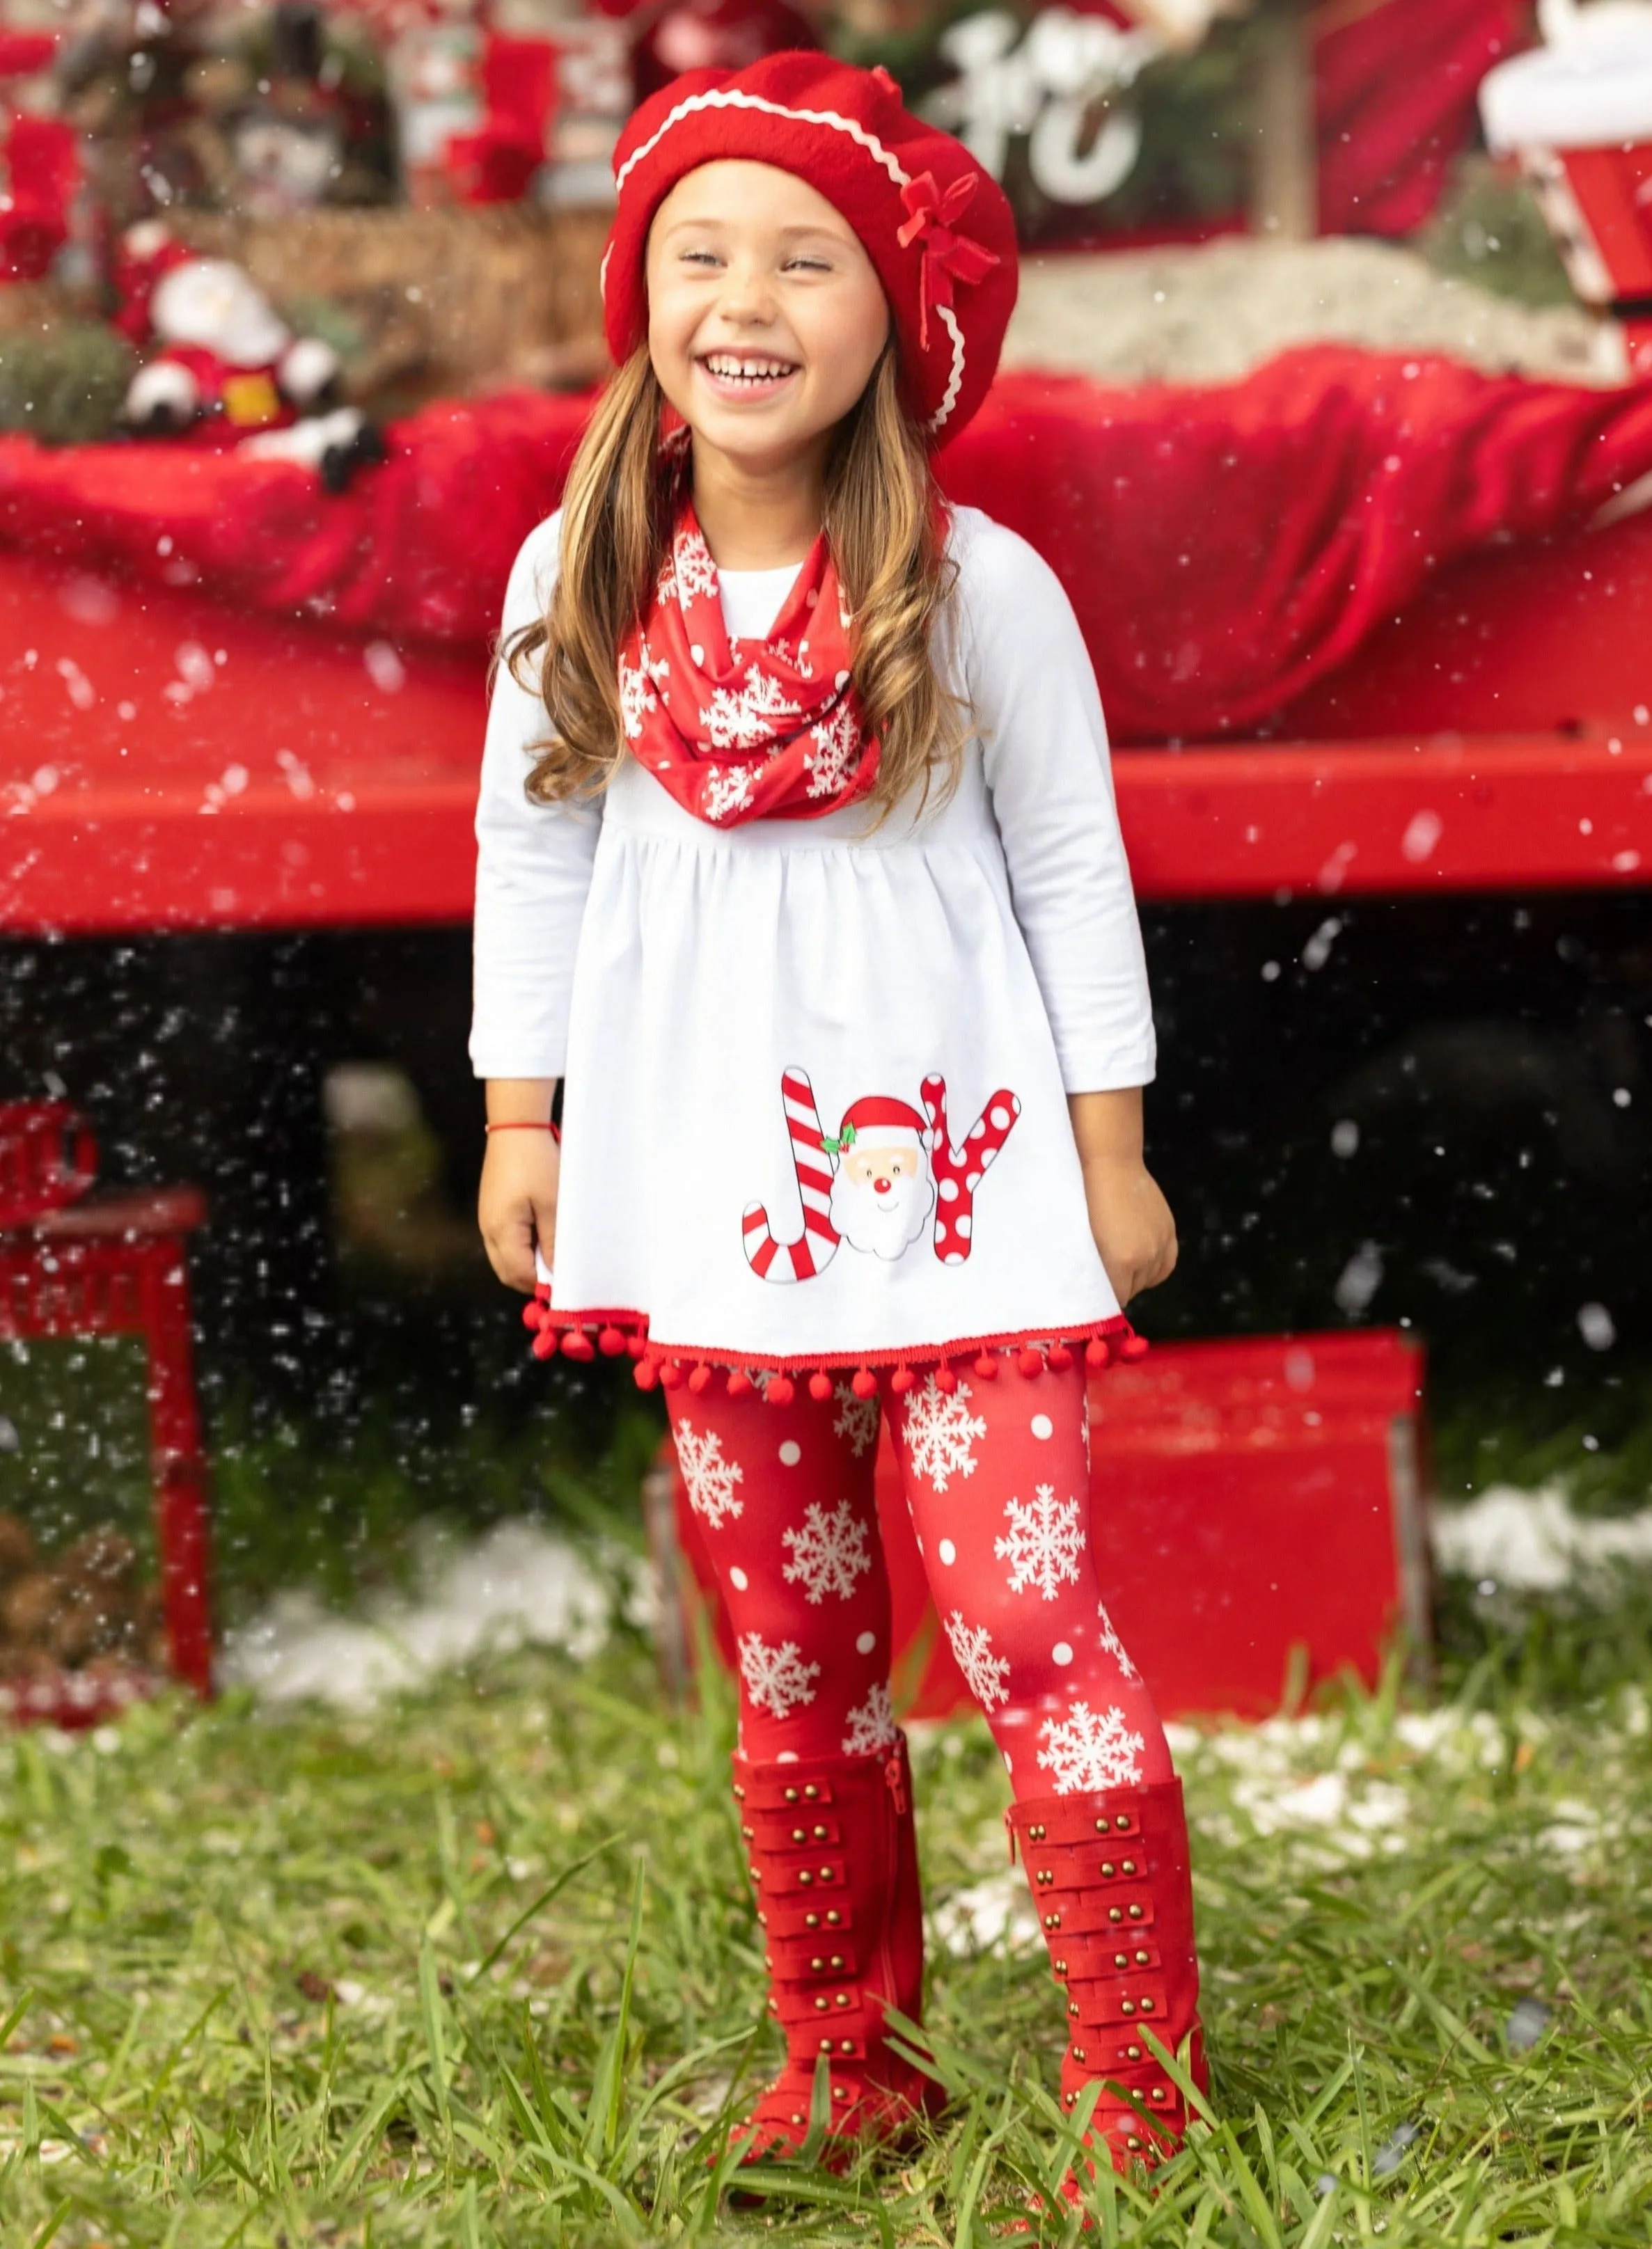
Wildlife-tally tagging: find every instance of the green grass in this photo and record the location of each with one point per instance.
(482, 1970)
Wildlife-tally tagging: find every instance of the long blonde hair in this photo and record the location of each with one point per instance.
(887, 533)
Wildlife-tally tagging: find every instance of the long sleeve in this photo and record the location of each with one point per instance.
(533, 868)
(1045, 756)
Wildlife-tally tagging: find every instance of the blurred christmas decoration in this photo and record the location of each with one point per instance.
(1091, 121)
(221, 363)
(39, 167)
(725, 35)
(1577, 113)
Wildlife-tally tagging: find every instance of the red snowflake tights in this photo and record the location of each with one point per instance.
(997, 1478)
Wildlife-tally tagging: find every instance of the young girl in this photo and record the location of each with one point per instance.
(799, 862)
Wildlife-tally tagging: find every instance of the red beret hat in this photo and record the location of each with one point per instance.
(934, 223)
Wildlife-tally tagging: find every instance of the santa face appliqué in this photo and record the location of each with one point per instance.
(883, 1189)
(877, 1181)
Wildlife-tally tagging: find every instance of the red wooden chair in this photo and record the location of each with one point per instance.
(112, 1265)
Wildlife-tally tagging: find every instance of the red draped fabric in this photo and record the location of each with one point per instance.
(1223, 548)
(1395, 86)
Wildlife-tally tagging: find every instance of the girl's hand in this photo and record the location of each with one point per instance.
(1135, 1233)
(1130, 1220)
(516, 1208)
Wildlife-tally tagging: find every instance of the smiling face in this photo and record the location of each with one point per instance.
(882, 1193)
(766, 317)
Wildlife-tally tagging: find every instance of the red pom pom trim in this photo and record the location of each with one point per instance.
(781, 1390)
(820, 1385)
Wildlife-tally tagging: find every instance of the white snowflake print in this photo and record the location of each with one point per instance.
(1090, 1749)
(727, 790)
(695, 573)
(777, 1678)
(743, 717)
(857, 1419)
(711, 1479)
(836, 751)
(940, 1432)
(1113, 1644)
(829, 1553)
(637, 697)
(1044, 1542)
(871, 1726)
(986, 1675)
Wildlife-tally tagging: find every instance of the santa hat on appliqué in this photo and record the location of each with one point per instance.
(885, 1122)
(935, 223)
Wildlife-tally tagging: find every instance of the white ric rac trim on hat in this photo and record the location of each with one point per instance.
(732, 98)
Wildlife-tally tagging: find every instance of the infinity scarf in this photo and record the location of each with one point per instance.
(744, 730)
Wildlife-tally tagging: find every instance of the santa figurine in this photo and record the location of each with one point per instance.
(222, 364)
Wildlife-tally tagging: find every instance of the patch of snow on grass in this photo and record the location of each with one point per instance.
(995, 1910)
(1530, 1541)
(519, 1585)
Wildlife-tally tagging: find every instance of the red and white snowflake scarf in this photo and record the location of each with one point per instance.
(745, 729)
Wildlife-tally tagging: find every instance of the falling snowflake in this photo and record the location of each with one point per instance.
(1090, 1749)
(637, 697)
(777, 1678)
(871, 1726)
(836, 751)
(1044, 1542)
(986, 1675)
(829, 1553)
(1113, 1644)
(696, 573)
(743, 717)
(727, 791)
(857, 1419)
(939, 1432)
(711, 1479)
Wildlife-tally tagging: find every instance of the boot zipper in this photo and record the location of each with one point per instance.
(895, 1781)
(895, 1806)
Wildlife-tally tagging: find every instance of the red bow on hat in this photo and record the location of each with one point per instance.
(947, 257)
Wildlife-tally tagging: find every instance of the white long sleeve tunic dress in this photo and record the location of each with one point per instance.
(720, 1002)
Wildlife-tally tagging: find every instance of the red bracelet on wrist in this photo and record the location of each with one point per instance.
(522, 1125)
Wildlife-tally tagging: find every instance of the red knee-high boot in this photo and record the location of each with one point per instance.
(1109, 1875)
(834, 1858)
